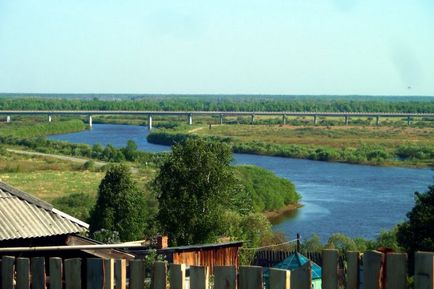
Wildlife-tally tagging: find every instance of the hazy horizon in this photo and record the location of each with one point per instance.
(240, 47)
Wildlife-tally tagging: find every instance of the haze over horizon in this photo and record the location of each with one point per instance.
(326, 47)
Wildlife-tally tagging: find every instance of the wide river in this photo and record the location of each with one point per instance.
(356, 200)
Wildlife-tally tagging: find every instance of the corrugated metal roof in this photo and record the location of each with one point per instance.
(24, 216)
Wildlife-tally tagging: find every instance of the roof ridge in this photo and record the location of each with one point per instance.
(25, 196)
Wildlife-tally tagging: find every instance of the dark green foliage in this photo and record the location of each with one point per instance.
(417, 233)
(194, 188)
(77, 205)
(267, 191)
(120, 205)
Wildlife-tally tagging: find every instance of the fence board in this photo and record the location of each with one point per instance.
(56, 273)
(251, 277)
(301, 278)
(199, 277)
(8, 267)
(72, 273)
(280, 279)
(95, 273)
(177, 276)
(396, 271)
(225, 277)
(137, 271)
(37, 267)
(330, 269)
(372, 267)
(159, 275)
(424, 270)
(109, 274)
(353, 265)
(23, 273)
(121, 274)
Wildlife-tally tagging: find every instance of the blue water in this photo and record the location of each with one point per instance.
(356, 200)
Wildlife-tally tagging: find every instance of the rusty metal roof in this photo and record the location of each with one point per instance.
(24, 216)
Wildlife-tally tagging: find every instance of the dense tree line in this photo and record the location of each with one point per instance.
(226, 103)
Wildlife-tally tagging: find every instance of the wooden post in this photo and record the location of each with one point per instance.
(301, 278)
(199, 276)
(95, 273)
(72, 273)
(121, 274)
(225, 277)
(396, 271)
(137, 276)
(8, 268)
(424, 270)
(23, 273)
(353, 265)
(37, 267)
(159, 275)
(109, 274)
(330, 269)
(280, 279)
(298, 242)
(251, 277)
(177, 276)
(372, 267)
(56, 273)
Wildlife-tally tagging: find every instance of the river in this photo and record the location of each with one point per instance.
(356, 200)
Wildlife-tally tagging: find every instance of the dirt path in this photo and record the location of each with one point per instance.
(60, 157)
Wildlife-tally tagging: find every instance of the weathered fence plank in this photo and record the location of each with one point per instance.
(353, 265)
(199, 277)
(95, 273)
(372, 269)
(424, 270)
(301, 278)
(37, 267)
(137, 274)
(56, 273)
(121, 274)
(109, 274)
(8, 268)
(330, 269)
(177, 276)
(225, 277)
(280, 279)
(23, 273)
(72, 273)
(251, 277)
(159, 275)
(396, 271)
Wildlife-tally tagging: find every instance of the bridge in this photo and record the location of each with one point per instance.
(189, 114)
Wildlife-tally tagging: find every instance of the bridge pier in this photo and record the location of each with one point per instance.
(149, 121)
(346, 120)
(408, 120)
(90, 121)
(252, 120)
(190, 119)
(377, 121)
(315, 120)
(8, 119)
(283, 119)
(221, 119)
(49, 118)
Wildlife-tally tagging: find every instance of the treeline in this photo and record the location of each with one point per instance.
(97, 151)
(226, 103)
(364, 153)
(41, 129)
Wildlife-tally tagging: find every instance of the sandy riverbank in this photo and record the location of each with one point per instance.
(276, 216)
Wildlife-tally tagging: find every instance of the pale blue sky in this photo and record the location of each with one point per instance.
(376, 47)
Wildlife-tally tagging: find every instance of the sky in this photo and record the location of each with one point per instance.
(371, 47)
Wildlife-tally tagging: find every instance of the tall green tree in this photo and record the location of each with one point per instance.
(417, 233)
(194, 187)
(120, 205)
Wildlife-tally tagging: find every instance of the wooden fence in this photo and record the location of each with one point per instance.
(24, 273)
